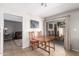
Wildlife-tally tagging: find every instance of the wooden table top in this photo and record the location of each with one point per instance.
(46, 39)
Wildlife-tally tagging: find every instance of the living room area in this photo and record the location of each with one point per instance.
(12, 32)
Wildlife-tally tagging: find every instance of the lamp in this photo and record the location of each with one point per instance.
(5, 29)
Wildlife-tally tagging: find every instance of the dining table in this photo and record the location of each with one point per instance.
(45, 43)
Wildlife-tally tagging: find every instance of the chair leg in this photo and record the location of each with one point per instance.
(49, 47)
(38, 44)
(33, 46)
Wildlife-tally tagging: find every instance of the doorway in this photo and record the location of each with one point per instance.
(57, 28)
(12, 33)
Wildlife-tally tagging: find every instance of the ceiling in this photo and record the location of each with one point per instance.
(37, 10)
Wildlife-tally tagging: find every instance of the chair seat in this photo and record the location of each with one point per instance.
(34, 41)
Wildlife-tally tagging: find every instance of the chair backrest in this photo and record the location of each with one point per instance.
(31, 35)
(39, 34)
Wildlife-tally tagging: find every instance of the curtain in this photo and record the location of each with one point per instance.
(67, 41)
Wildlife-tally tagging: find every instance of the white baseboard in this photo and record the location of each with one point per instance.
(75, 50)
(25, 47)
(1, 54)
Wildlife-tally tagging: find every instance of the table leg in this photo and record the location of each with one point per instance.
(54, 44)
(48, 45)
(45, 45)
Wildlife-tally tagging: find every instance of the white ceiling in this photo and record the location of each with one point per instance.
(37, 10)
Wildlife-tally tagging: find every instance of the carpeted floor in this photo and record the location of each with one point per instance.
(11, 49)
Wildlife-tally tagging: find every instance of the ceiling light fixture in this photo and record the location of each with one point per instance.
(44, 4)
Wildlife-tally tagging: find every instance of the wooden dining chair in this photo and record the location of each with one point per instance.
(39, 34)
(33, 42)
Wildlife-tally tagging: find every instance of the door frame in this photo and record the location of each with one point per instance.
(67, 40)
(16, 21)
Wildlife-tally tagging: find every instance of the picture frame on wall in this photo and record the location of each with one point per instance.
(34, 24)
(50, 26)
